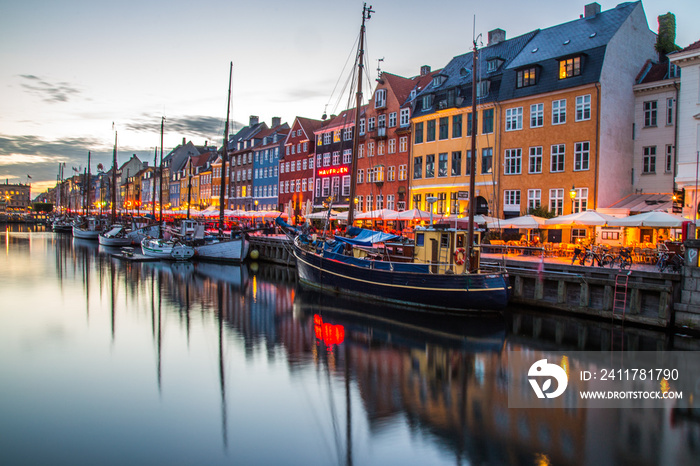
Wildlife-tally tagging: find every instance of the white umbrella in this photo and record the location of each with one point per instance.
(380, 214)
(652, 219)
(526, 221)
(321, 214)
(413, 214)
(587, 218)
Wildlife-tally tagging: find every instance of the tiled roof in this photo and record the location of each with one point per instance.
(653, 72)
(693, 46)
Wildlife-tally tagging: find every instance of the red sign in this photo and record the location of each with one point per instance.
(344, 170)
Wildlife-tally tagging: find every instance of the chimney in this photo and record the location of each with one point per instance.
(425, 70)
(590, 10)
(184, 141)
(276, 121)
(253, 120)
(496, 36)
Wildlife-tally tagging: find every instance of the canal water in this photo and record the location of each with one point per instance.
(110, 362)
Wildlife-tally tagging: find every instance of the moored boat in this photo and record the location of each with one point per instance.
(165, 249)
(89, 228)
(115, 237)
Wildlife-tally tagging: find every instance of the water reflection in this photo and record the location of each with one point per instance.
(327, 379)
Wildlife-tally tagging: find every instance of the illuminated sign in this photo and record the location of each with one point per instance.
(344, 170)
(328, 333)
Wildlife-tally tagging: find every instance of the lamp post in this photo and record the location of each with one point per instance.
(572, 195)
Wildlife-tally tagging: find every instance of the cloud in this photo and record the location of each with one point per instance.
(47, 91)
(206, 127)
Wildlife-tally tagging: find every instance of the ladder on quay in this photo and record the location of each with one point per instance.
(620, 295)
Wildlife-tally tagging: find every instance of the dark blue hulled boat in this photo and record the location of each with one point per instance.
(429, 273)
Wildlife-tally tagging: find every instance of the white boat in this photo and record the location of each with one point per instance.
(115, 237)
(165, 249)
(229, 248)
(87, 229)
(141, 229)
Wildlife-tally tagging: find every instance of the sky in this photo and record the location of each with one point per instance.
(75, 71)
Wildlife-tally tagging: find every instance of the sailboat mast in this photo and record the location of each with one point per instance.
(162, 126)
(87, 191)
(224, 153)
(114, 179)
(472, 165)
(366, 14)
(153, 181)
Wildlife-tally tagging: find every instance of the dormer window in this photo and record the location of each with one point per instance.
(413, 94)
(492, 65)
(438, 80)
(380, 98)
(427, 101)
(526, 77)
(569, 67)
(482, 88)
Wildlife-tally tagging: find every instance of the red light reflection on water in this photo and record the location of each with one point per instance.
(328, 333)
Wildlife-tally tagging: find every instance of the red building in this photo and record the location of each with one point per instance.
(296, 165)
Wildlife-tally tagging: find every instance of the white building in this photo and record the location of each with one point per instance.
(655, 98)
(688, 147)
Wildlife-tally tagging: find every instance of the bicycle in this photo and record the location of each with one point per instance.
(598, 254)
(670, 259)
(623, 259)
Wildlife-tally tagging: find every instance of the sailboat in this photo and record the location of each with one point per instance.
(440, 270)
(90, 227)
(232, 247)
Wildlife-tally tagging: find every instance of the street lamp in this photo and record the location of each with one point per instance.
(256, 205)
(572, 195)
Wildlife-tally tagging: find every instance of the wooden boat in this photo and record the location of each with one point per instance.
(430, 273)
(439, 271)
(62, 225)
(165, 249)
(115, 237)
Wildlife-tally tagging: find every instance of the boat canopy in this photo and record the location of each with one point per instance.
(368, 238)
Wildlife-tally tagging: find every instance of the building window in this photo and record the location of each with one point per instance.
(669, 158)
(418, 139)
(346, 185)
(535, 159)
(513, 161)
(514, 119)
(347, 157)
(380, 98)
(380, 202)
(390, 201)
(669, 112)
(649, 160)
(468, 168)
(583, 107)
(559, 112)
(403, 143)
(327, 138)
(380, 148)
(369, 203)
(392, 119)
(362, 126)
(470, 123)
(370, 149)
(511, 200)
(487, 124)
(456, 163)
(581, 200)
(361, 203)
(417, 168)
(525, 78)
(557, 164)
(430, 132)
(360, 151)
(649, 113)
(371, 124)
(405, 117)
(381, 121)
(444, 127)
(457, 126)
(403, 172)
(556, 201)
(486, 160)
(391, 174)
(581, 155)
(427, 101)
(536, 115)
(430, 166)
(569, 67)
(360, 176)
(534, 198)
(442, 164)
(392, 146)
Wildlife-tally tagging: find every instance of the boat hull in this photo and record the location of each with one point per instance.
(161, 249)
(453, 293)
(114, 242)
(139, 234)
(229, 250)
(85, 234)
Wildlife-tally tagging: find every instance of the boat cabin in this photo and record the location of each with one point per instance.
(445, 249)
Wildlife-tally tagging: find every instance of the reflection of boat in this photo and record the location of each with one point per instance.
(440, 270)
(115, 237)
(236, 275)
(404, 327)
(163, 249)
